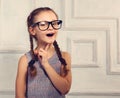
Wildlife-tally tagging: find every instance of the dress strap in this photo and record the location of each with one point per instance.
(28, 55)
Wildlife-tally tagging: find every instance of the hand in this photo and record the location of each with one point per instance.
(43, 55)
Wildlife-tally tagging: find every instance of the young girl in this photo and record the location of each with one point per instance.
(44, 71)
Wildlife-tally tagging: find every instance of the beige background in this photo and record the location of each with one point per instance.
(90, 33)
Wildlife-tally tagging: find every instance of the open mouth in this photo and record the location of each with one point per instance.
(50, 34)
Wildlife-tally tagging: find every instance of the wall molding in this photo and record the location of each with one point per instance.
(12, 51)
(94, 93)
(93, 63)
(110, 24)
(7, 92)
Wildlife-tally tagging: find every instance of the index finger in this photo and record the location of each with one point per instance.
(47, 47)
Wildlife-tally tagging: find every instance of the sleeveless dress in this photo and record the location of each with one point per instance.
(41, 86)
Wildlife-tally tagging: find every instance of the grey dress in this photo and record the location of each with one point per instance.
(41, 86)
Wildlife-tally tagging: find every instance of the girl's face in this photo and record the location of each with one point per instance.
(49, 35)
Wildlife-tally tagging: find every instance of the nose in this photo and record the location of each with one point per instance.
(50, 27)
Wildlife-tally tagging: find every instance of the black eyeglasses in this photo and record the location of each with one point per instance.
(44, 25)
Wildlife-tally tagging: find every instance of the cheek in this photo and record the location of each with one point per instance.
(56, 33)
(39, 36)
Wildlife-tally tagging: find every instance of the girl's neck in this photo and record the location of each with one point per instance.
(50, 49)
(43, 46)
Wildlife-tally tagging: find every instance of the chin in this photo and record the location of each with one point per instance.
(50, 42)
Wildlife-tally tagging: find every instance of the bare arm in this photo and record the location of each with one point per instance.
(63, 84)
(20, 86)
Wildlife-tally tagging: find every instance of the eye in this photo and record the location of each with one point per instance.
(57, 22)
(43, 23)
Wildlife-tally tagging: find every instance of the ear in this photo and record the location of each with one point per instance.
(31, 30)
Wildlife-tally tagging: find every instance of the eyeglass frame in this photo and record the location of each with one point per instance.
(49, 22)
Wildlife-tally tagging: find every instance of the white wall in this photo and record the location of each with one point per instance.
(90, 33)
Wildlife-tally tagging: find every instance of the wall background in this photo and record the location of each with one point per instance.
(90, 33)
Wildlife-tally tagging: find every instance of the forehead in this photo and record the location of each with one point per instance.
(45, 16)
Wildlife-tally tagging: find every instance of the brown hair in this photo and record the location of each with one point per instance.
(30, 21)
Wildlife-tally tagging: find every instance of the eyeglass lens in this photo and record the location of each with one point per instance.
(44, 25)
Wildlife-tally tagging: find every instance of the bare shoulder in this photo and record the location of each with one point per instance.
(67, 57)
(21, 75)
(23, 63)
(23, 59)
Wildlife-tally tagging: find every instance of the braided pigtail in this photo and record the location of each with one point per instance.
(33, 70)
(62, 60)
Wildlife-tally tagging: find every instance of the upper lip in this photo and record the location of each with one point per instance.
(50, 33)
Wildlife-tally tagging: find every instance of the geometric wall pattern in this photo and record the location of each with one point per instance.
(91, 34)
